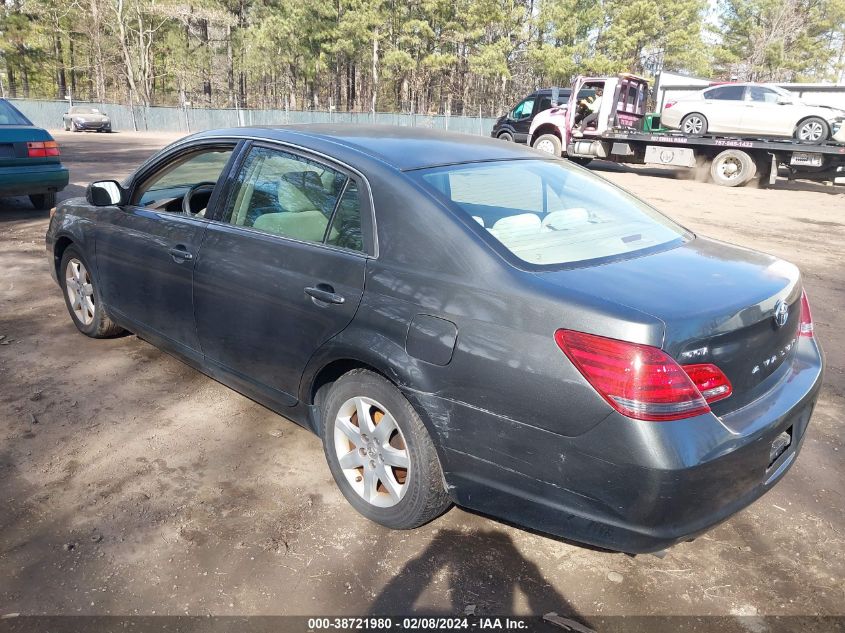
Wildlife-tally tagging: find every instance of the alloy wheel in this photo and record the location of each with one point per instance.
(372, 451)
(80, 291)
(811, 131)
(693, 125)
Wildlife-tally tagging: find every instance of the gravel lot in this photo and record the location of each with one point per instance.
(131, 484)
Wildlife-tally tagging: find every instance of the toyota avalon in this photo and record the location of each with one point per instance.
(459, 320)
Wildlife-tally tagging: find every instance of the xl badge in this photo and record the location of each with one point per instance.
(781, 313)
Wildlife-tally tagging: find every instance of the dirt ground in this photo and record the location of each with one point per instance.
(131, 484)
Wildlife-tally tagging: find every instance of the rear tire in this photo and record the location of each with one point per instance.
(548, 143)
(506, 136)
(732, 168)
(43, 201)
(392, 477)
(812, 130)
(694, 124)
(82, 296)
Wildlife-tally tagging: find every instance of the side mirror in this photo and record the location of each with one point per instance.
(104, 193)
(784, 100)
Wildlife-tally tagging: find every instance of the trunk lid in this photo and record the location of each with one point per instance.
(717, 302)
(13, 148)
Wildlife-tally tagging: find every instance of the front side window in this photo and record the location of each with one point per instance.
(726, 93)
(523, 110)
(763, 95)
(164, 190)
(283, 194)
(550, 213)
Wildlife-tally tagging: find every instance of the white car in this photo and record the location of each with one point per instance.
(751, 109)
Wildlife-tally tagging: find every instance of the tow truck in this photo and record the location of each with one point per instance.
(624, 133)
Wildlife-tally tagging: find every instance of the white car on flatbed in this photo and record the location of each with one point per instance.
(752, 109)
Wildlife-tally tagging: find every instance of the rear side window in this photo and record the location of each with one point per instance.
(726, 93)
(346, 225)
(550, 213)
(9, 115)
(292, 196)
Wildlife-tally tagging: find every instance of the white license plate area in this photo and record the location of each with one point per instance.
(806, 159)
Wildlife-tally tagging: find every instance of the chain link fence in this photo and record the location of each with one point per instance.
(48, 114)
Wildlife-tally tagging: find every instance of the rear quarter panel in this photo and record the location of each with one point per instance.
(505, 359)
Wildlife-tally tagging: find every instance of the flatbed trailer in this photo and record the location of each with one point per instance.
(728, 160)
(622, 134)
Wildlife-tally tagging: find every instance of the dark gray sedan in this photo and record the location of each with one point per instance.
(460, 320)
(82, 118)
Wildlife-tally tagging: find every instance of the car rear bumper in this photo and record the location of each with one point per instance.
(627, 485)
(32, 179)
(670, 119)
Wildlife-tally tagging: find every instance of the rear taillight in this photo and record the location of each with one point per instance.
(669, 104)
(710, 381)
(42, 149)
(805, 328)
(639, 381)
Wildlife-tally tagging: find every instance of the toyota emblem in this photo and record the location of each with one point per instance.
(781, 313)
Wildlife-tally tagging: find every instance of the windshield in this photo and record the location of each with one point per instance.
(84, 110)
(10, 116)
(550, 212)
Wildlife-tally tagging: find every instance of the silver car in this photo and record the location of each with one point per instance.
(80, 118)
(751, 109)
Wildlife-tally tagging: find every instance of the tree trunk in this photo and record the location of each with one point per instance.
(10, 78)
(72, 66)
(124, 48)
(230, 68)
(99, 66)
(375, 72)
(61, 79)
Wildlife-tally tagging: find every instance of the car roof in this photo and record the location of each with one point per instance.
(403, 148)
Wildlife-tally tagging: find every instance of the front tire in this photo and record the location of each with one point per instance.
(694, 124)
(812, 130)
(506, 136)
(380, 453)
(43, 201)
(82, 296)
(548, 143)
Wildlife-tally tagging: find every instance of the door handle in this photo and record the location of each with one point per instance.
(179, 252)
(324, 293)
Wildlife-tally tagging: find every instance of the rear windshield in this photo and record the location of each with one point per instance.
(10, 116)
(551, 212)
